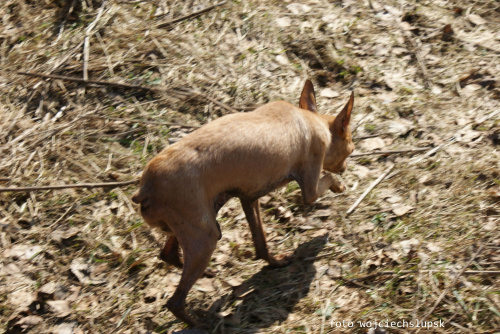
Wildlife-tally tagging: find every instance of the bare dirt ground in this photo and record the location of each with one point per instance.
(424, 244)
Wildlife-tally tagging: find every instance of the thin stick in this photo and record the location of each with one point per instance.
(487, 117)
(185, 17)
(86, 42)
(404, 272)
(359, 123)
(130, 120)
(79, 80)
(434, 150)
(86, 54)
(419, 149)
(71, 207)
(67, 186)
(365, 137)
(455, 280)
(66, 57)
(121, 85)
(373, 185)
(418, 55)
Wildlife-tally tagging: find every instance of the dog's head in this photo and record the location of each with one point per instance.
(341, 145)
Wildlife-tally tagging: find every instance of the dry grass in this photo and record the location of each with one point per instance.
(81, 260)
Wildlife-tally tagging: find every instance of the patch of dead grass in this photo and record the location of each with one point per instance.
(89, 248)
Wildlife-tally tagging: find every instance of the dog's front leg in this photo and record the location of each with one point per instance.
(328, 181)
(312, 186)
(252, 212)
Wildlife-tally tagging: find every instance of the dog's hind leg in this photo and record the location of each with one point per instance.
(252, 212)
(198, 244)
(170, 252)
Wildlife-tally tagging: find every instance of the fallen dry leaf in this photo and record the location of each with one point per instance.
(372, 144)
(204, 285)
(433, 247)
(491, 225)
(29, 321)
(476, 19)
(329, 93)
(60, 307)
(399, 127)
(64, 233)
(365, 227)
(83, 270)
(22, 298)
(24, 252)
(394, 199)
(66, 328)
(283, 22)
(298, 8)
(470, 90)
(361, 171)
(401, 209)
(407, 245)
(322, 213)
(234, 282)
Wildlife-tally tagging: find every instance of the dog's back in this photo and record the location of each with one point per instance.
(249, 153)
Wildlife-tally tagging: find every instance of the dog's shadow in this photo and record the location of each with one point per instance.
(269, 296)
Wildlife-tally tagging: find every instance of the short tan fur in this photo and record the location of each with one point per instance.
(244, 155)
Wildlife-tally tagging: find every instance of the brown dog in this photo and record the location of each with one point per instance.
(243, 155)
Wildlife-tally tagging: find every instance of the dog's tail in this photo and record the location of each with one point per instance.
(141, 197)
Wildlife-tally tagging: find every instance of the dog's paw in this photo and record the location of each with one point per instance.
(281, 260)
(337, 187)
(209, 272)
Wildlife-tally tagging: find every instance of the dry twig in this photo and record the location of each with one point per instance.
(129, 120)
(185, 17)
(367, 191)
(67, 186)
(86, 41)
(405, 272)
(128, 86)
(389, 152)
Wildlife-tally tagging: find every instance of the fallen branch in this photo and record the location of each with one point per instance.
(389, 152)
(355, 281)
(431, 152)
(67, 186)
(79, 80)
(128, 86)
(365, 137)
(185, 17)
(405, 272)
(130, 120)
(373, 185)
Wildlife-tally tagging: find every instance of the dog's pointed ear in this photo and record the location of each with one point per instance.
(308, 98)
(343, 119)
